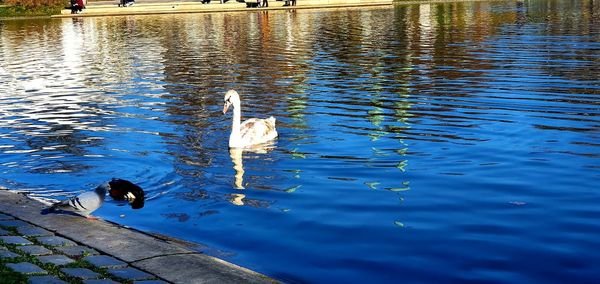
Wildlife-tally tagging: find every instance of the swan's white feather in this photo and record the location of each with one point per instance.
(253, 131)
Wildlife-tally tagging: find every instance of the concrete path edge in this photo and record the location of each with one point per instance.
(166, 259)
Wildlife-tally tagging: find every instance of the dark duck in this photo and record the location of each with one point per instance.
(124, 190)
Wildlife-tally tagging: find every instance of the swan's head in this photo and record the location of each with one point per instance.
(231, 98)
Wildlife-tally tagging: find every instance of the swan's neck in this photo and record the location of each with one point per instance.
(235, 125)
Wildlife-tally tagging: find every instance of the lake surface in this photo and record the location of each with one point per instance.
(450, 142)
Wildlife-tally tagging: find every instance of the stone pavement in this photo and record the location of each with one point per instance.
(58, 248)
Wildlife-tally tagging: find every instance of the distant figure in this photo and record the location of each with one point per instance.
(77, 6)
(126, 3)
(293, 2)
(253, 3)
(73, 7)
(265, 3)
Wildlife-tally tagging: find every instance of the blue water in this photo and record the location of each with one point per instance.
(449, 142)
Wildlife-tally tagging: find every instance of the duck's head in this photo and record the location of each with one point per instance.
(231, 98)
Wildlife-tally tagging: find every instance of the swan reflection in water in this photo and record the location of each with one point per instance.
(236, 155)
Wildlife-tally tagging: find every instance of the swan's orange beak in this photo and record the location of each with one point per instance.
(225, 107)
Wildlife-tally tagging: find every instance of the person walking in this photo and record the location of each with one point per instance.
(77, 6)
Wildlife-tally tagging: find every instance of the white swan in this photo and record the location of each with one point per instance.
(253, 131)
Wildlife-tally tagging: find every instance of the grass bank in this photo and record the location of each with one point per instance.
(9, 11)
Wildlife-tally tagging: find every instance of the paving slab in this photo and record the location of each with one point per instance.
(56, 259)
(33, 231)
(204, 268)
(6, 217)
(77, 251)
(13, 223)
(130, 273)
(81, 273)
(15, 240)
(123, 243)
(167, 259)
(4, 253)
(105, 261)
(4, 232)
(55, 241)
(34, 250)
(45, 280)
(100, 281)
(26, 268)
